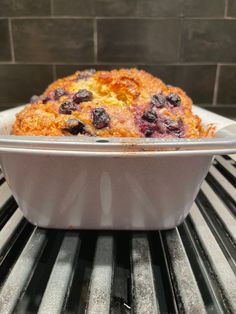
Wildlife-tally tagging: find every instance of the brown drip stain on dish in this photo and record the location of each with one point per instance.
(137, 149)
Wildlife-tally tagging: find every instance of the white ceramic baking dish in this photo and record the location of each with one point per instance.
(97, 183)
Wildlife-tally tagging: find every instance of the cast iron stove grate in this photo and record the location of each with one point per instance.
(190, 269)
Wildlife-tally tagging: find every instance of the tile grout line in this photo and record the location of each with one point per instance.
(215, 93)
(95, 40)
(117, 17)
(11, 41)
(226, 9)
(7, 62)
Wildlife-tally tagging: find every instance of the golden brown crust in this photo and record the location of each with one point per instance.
(124, 95)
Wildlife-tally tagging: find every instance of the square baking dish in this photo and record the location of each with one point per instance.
(109, 183)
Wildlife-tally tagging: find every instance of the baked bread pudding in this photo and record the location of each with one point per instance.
(117, 103)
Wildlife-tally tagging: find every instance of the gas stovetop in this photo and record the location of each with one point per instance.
(190, 269)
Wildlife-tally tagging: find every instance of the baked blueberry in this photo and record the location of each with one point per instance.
(149, 116)
(67, 107)
(45, 100)
(158, 100)
(174, 127)
(59, 92)
(34, 99)
(171, 125)
(100, 118)
(84, 75)
(82, 95)
(148, 132)
(174, 99)
(75, 126)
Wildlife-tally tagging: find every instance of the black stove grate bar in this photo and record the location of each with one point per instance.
(190, 269)
(142, 275)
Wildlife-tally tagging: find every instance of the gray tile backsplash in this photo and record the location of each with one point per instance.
(155, 8)
(208, 40)
(25, 7)
(231, 8)
(94, 8)
(227, 85)
(204, 8)
(228, 111)
(53, 40)
(183, 42)
(20, 81)
(138, 40)
(5, 54)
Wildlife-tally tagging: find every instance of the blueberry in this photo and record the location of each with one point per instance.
(149, 116)
(34, 99)
(175, 127)
(45, 100)
(171, 125)
(82, 95)
(100, 118)
(59, 92)
(174, 99)
(67, 107)
(84, 75)
(158, 100)
(148, 132)
(75, 126)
